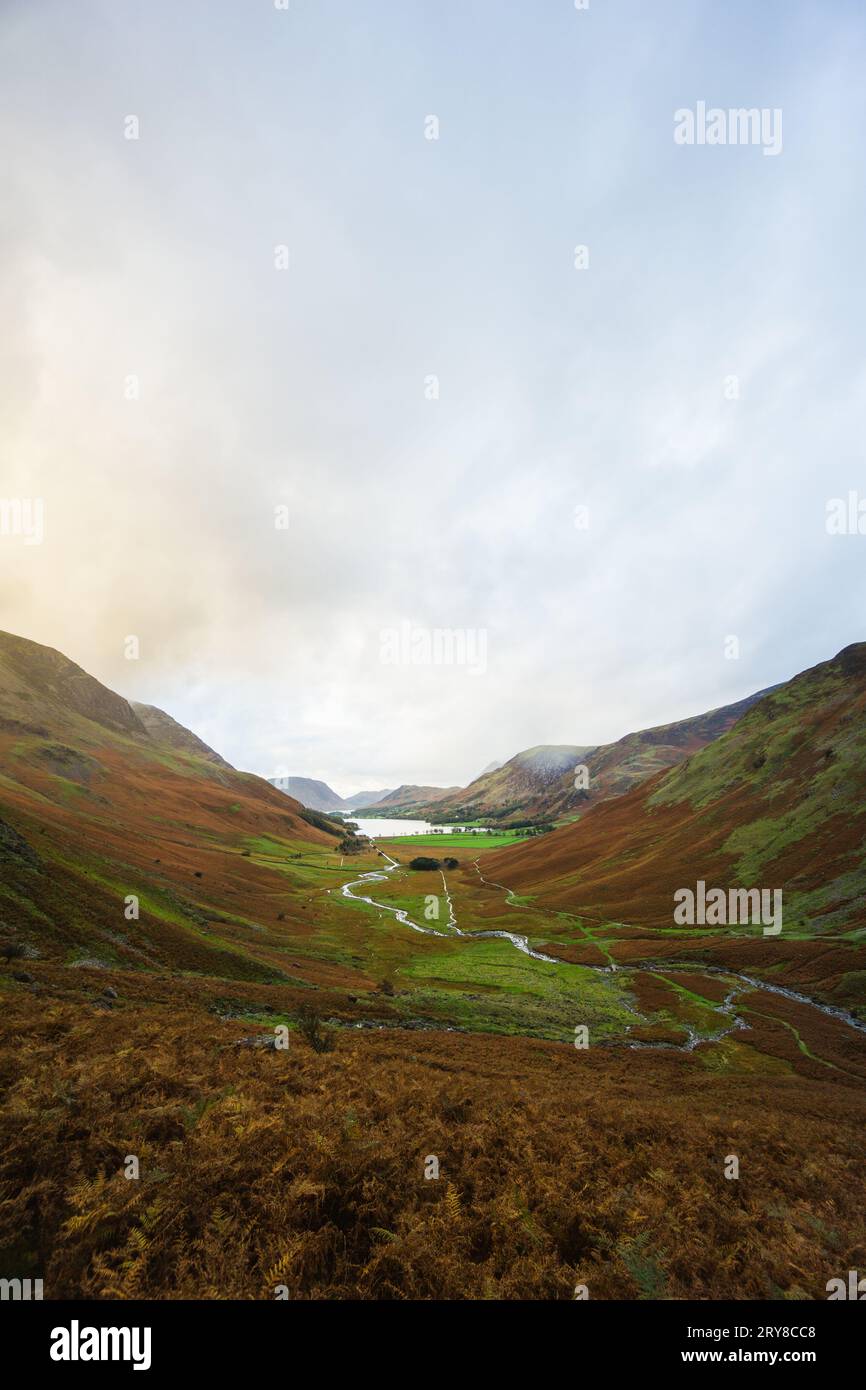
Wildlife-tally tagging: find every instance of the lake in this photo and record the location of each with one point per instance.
(380, 827)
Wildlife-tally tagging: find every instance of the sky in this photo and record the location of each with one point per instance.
(312, 371)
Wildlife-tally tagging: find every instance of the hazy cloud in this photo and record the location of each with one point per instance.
(410, 258)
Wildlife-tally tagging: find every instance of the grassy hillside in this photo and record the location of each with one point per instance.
(407, 799)
(261, 1168)
(96, 807)
(778, 799)
(540, 783)
(778, 802)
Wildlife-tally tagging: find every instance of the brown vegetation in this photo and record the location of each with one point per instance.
(261, 1168)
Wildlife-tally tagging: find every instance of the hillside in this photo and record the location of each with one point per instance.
(560, 1167)
(317, 796)
(40, 686)
(539, 784)
(518, 789)
(408, 798)
(100, 800)
(167, 732)
(779, 800)
(366, 798)
(617, 767)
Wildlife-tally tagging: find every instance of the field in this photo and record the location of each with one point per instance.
(477, 843)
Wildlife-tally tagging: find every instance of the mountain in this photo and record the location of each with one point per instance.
(777, 801)
(101, 799)
(546, 783)
(491, 767)
(168, 732)
(408, 797)
(517, 789)
(615, 768)
(39, 685)
(366, 798)
(317, 796)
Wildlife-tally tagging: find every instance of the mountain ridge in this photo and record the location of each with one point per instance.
(168, 731)
(542, 783)
(779, 798)
(315, 795)
(409, 797)
(319, 796)
(95, 806)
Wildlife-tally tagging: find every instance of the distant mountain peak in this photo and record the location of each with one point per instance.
(315, 795)
(539, 783)
(550, 759)
(408, 796)
(367, 798)
(767, 791)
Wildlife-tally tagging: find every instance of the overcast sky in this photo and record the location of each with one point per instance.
(607, 387)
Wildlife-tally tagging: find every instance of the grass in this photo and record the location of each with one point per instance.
(761, 841)
(518, 993)
(478, 843)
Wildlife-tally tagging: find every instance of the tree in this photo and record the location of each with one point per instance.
(311, 1030)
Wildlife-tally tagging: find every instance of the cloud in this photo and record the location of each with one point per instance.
(153, 260)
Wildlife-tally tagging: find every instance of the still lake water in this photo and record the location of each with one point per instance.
(380, 827)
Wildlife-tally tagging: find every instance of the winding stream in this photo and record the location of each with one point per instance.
(521, 943)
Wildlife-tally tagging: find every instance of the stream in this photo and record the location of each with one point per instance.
(521, 943)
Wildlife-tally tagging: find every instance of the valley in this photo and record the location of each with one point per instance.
(656, 1002)
(581, 1063)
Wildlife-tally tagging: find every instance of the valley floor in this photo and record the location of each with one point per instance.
(263, 1167)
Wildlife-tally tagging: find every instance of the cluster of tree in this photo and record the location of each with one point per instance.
(528, 827)
(422, 862)
(461, 830)
(351, 844)
(468, 813)
(321, 822)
